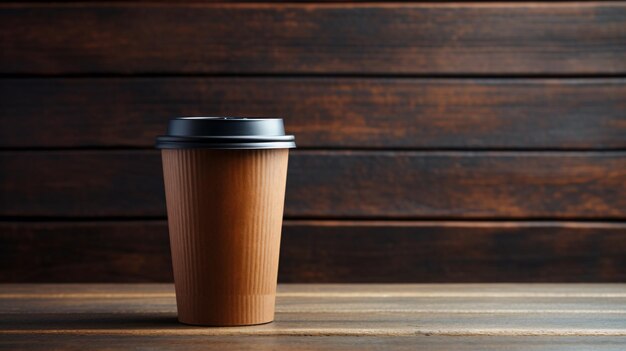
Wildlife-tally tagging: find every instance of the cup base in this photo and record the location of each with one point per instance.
(226, 310)
(221, 325)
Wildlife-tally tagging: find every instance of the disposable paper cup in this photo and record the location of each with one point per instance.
(225, 188)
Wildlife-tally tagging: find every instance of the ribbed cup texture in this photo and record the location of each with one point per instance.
(225, 211)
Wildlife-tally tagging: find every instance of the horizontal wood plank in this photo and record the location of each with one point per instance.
(116, 291)
(453, 252)
(321, 324)
(350, 304)
(322, 112)
(336, 184)
(104, 317)
(372, 38)
(329, 251)
(327, 343)
(141, 317)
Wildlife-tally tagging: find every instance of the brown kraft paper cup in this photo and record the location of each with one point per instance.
(225, 210)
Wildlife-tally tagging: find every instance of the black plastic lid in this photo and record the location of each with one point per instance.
(225, 133)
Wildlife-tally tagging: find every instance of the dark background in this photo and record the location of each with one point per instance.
(438, 142)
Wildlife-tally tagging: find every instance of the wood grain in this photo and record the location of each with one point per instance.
(570, 299)
(452, 252)
(322, 112)
(115, 291)
(122, 316)
(321, 325)
(305, 343)
(336, 184)
(373, 38)
(64, 319)
(335, 251)
(340, 305)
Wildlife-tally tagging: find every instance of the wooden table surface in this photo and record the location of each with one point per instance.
(324, 317)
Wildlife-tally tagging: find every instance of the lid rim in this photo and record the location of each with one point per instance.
(226, 138)
(225, 133)
(226, 146)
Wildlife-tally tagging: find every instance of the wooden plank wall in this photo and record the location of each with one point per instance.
(438, 142)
